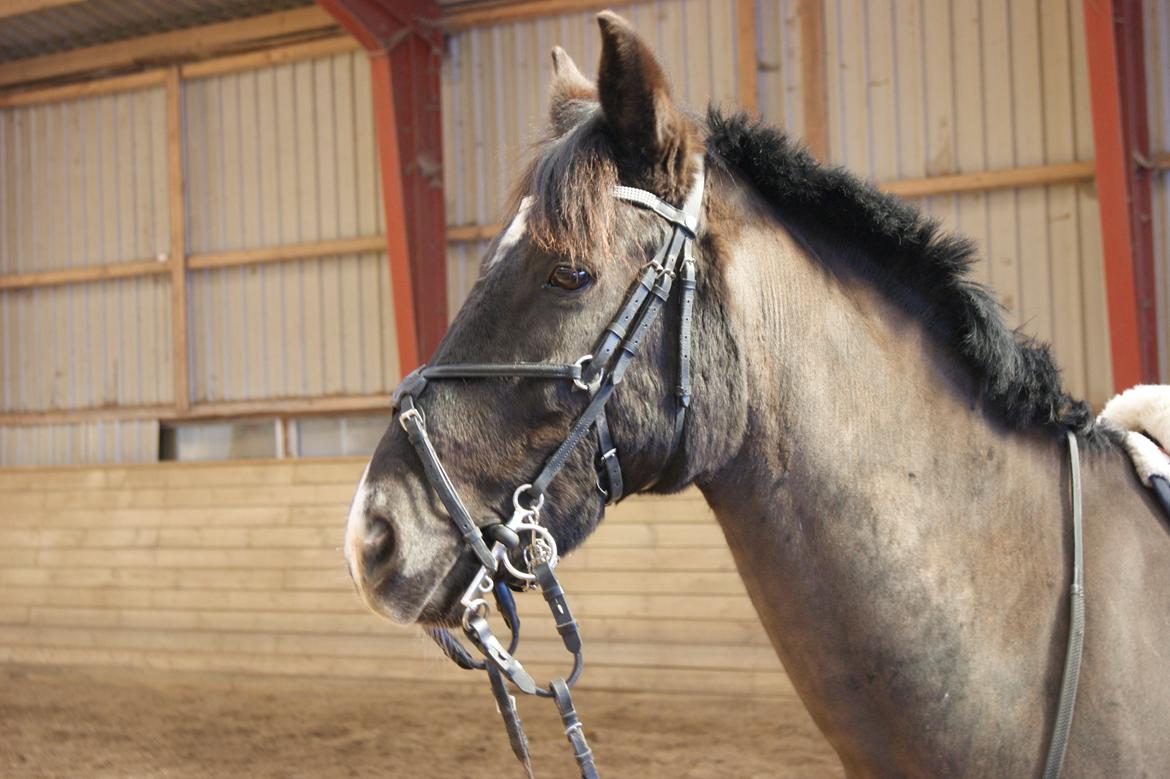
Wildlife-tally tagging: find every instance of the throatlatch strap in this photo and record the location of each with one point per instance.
(607, 454)
(686, 313)
(558, 459)
(1076, 626)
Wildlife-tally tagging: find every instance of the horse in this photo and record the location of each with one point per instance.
(887, 460)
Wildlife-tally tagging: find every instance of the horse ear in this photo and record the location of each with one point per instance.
(635, 94)
(569, 91)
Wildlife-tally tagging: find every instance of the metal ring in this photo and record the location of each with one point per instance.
(541, 531)
(581, 364)
(526, 509)
(477, 608)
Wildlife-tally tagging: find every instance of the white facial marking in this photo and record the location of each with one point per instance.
(513, 234)
(355, 525)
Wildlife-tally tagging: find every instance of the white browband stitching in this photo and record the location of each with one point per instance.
(687, 216)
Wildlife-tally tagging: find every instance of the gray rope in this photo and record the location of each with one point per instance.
(1076, 627)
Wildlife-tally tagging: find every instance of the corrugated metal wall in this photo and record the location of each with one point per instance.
(84, 183)
(129, 441)
(914, 89)
(286, 155)
(1157, 26)
(274, 156)
(929, 89)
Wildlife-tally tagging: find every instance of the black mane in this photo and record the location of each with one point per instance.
(906, 251)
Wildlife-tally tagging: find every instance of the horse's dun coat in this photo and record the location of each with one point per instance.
(886, 459)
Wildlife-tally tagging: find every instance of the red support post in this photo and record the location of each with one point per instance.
(1117, 85)
(404, 43)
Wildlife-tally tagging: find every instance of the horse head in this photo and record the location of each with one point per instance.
(548, 286)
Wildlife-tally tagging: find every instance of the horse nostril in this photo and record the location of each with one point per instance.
(378, 546)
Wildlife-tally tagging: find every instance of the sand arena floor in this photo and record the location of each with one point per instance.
(99, 723)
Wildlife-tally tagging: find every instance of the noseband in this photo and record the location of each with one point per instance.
(523, 552)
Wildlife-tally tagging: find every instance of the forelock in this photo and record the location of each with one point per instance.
(569, 180)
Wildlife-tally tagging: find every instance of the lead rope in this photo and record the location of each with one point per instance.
(1076, 627)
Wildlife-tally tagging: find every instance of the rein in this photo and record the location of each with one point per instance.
(1076, 625)
(523, 553)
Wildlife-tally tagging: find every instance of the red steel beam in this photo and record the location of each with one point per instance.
(404, 43)
(1117, 85)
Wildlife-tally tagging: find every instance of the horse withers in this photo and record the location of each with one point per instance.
(888, 461)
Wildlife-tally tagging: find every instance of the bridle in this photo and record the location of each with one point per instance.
(507, 565)
(598, 374)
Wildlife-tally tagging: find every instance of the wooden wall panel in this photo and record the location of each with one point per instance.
(236, 566)
(781, 86)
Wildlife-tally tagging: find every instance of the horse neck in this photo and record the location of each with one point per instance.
(903, 551)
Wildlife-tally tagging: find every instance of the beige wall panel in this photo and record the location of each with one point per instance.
(85, 345)
(781, 87)
(134, 441)
(281, 155)
(1098, 364)
(277, 156)
(463, 263)
(279, 330)
(79, 182)
(940, 88)
(235, 566)
(83, 183)
(495, 82)
(1157, 27)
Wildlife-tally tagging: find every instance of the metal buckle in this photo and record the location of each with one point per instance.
(411, 413)
(597, 482)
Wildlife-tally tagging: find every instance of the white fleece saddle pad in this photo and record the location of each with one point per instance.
(1143, 413)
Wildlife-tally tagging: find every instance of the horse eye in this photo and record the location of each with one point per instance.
(569, 278)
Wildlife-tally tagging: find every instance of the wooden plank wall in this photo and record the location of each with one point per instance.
(1157, 43)
(237, 567)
